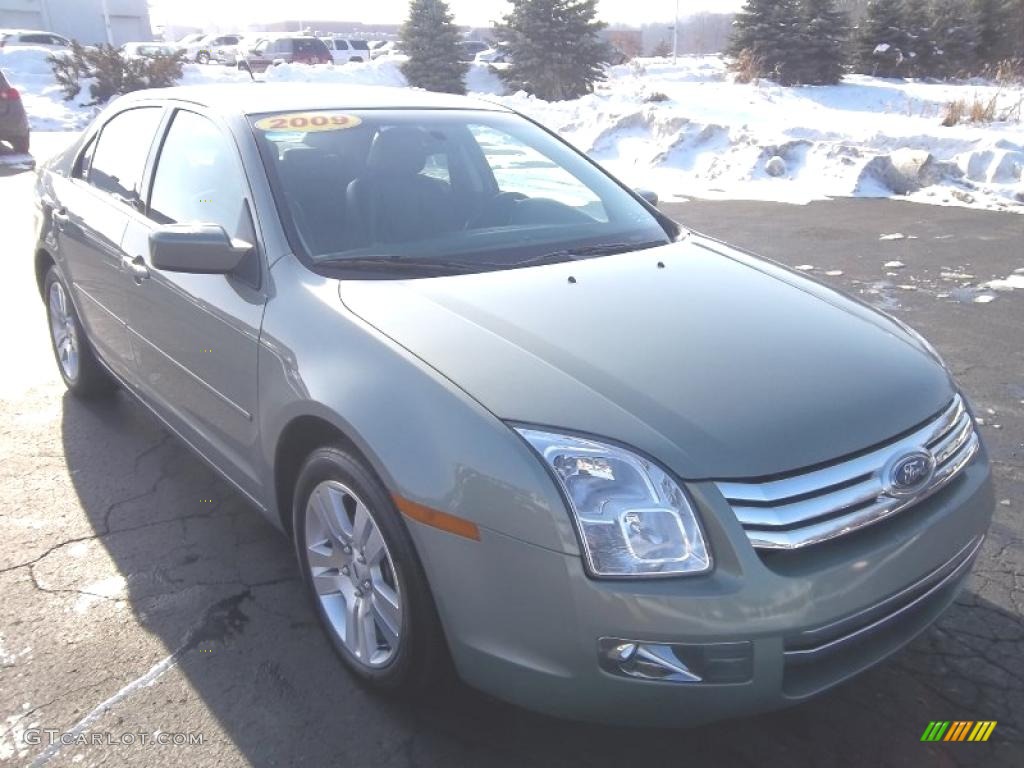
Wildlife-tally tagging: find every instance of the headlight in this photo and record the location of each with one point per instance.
(633, 518)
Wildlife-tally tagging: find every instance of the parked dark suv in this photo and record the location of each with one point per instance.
(13, 122)
(297, 49)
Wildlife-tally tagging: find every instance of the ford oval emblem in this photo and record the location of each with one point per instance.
(910, 473)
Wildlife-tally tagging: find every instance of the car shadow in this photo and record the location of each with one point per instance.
(218, 585)
(12, 163)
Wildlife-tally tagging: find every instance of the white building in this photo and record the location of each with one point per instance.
(88, 21)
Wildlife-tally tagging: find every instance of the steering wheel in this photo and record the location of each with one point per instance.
(496, 212)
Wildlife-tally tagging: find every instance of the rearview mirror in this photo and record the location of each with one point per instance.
(196, 248)
(648, 195)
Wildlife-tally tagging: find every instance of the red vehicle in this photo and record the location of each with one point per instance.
(13, 121)
(290, 49)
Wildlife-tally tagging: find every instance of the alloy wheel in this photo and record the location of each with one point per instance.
(63, 331)
(353, 574)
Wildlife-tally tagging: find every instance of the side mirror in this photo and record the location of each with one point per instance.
(197, 248)
(648, 195)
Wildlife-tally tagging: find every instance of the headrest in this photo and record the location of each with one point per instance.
(298, 163)
(400, 151)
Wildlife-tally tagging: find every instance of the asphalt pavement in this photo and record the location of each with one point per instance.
(141, 595)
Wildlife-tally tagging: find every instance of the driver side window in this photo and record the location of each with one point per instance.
(198, 178)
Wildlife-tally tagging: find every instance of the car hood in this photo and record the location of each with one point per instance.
(720, 364)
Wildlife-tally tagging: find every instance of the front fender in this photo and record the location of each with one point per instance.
(428, 441)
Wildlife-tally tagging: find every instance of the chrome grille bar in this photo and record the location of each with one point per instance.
(815, 506)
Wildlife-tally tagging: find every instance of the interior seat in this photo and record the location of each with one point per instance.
(392, 202)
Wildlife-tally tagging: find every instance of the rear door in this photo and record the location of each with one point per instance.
(103, 193)
(195, 336)
(339, 50)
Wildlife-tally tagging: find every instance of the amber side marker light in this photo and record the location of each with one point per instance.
(437, 519)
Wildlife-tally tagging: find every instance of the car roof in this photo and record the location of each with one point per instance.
(261, 97)
(29, 32)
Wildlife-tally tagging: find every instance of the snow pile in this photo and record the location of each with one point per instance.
(1011, 283)
(687, 130)
(379, 72)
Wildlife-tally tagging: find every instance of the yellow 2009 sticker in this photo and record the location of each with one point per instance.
(308, 121)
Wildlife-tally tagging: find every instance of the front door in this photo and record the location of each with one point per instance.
(195, 336)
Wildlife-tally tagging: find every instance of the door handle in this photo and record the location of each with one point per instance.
(59, 216)
(138, 268)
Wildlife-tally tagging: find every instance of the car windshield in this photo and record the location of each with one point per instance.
(456, 190)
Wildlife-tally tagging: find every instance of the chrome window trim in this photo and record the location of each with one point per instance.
(811, 507)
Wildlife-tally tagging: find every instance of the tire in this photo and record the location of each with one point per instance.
(83, 374)
(202, 58)
(344, 486)
(20, 144)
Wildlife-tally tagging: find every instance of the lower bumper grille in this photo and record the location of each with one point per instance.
(820, 657)
(811, 507)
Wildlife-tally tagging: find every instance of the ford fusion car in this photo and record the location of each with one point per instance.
(516, 421)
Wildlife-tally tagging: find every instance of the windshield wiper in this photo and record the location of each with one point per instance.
(583, 252)
(392, 264)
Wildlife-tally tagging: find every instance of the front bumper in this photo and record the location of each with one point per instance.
(524, 623)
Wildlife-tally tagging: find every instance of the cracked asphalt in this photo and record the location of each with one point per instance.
(141, 594)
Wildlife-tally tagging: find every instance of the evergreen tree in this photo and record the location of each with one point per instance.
(554, 48)
(990, 21)
(1006, 30)
(823, 34)
(430, 38)
(881, 39)
(919, 56)
(955, 32)
(1014, 37)
(766, 37)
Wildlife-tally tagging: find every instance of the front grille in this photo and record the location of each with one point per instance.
(811, 507)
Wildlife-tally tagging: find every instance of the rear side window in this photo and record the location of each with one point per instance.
(198, 178)
(340, 45)
(119, 157)
(311, 46)
(360, 45)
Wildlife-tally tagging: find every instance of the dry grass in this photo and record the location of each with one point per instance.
(954, 113)
(748, 67)
(1008, 72)
(981, 111)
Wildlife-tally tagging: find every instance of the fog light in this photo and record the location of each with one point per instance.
(647, 661)
(677, 662)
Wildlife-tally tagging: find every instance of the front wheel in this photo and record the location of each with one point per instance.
(203, 58)
(362, 572)
(83, 374)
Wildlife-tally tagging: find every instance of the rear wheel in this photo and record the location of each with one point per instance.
(363, 575)
(83, 374)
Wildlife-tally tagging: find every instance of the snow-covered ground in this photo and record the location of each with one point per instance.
(687, 130)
